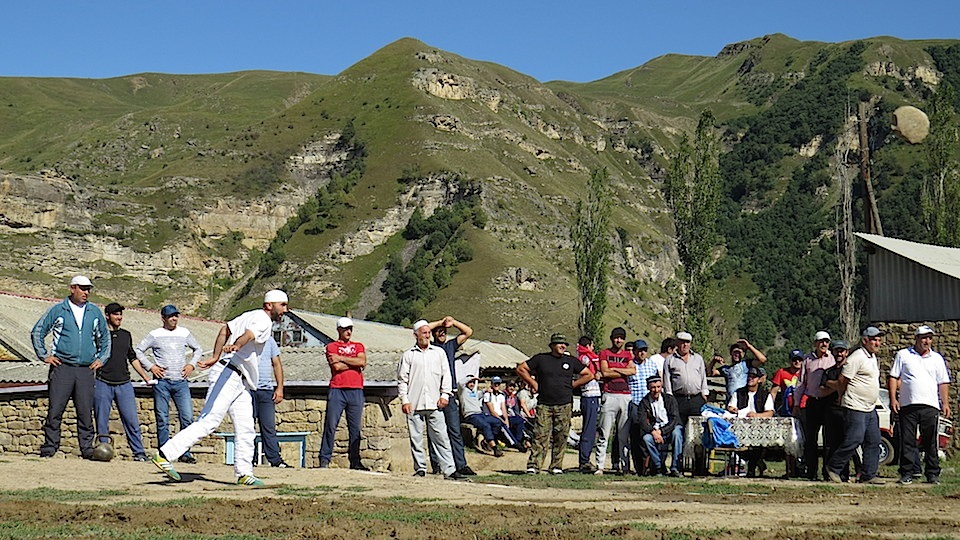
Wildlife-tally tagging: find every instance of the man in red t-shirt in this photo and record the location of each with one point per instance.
(347, 360)
(616, 364)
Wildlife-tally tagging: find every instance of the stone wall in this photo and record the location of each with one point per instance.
(384, 439)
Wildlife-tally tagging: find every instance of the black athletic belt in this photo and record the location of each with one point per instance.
(231, 367)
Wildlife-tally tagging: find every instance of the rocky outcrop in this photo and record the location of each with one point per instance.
(455, 87)
(924, 74)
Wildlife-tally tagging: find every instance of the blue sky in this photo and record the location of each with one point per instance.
(560, 39)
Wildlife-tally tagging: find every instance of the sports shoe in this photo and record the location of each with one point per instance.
(497, 451)
(876, 480)
(283, 465)
(588, 469)
(249, 480)
(834, 477)
(598, 472)
(905, 480)
(420, 474)
(556, 470)
(467, 471)
(359, 467)
(188, 459)
(675, 473)
(935, 480)
(166, 467)
(532, 470)
(455, 475)
(140, 457)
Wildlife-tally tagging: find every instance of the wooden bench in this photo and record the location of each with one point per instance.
(298, 437)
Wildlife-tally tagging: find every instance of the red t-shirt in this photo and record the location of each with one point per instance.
(351, 377)
(619, 359)
(783, 378)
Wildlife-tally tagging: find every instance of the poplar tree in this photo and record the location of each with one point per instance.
(592, 248)
(940, 195)
(692, 191)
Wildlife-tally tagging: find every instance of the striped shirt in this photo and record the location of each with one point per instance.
(169, 351)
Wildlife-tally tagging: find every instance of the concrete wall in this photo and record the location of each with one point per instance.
(384, 445)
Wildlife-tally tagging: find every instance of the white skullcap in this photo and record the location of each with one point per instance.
(276, 295)
(420, 324)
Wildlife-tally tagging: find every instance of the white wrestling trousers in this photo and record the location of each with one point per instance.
(226, 395)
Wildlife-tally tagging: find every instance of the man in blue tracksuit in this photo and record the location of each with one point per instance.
(81, 345)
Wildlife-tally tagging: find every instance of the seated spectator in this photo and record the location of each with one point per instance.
(473, 414)
(527, 403)
(658, 416)
(752, 401)
(517, 423)
(494, 403)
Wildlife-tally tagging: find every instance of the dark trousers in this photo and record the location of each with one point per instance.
(265, 413)
(339, 400)
(860, 429)
(63, 383)
(451, 415)
(833, 437)
(815, 416)
(926, 418)
(589, 407)
(688, 405)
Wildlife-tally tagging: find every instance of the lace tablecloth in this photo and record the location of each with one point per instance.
(777, 431)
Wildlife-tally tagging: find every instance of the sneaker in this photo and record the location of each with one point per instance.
(834, 477)
(588, 469)
(497, 451)
(905, 480)
(166, 467)
(598, 472)
(556, 470)
(140, 457)
(283, 465)
(359, 467)
(249, 480)
(532, 470)
(675, 474)
(420, 474)
(188, 459)
(935, 480)
(876, 480)
(467, 471)
(455, 475)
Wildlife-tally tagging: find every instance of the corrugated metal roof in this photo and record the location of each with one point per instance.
(940, 258)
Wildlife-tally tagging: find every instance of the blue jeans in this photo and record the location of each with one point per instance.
(451, 416)
(589, 407)
(862, 429)
(265, 412)
(340, 400)
(654, 450)
(104, 395)
(488, 425)
(179, 391)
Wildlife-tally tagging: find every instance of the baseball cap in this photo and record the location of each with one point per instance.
(923, 330)
(276, 295)
(496, 380)
(112, 308)
(82, 281)
(169, 310)
(838, 344)
(684, 336)
(756, 372)
(821, 335)
(618, 332)
(419, 324)
(796, 353)
(344, 322)
(871, 331)
(558, 338)
(640, 344)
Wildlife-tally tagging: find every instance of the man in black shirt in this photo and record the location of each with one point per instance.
(554, 375)
(113, 384)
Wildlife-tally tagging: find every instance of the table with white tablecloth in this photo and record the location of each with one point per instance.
(784, 432)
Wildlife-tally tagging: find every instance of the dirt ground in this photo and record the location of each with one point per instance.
(68, 497)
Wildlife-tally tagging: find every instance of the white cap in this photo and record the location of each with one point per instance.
(420, 324)
(684, 336)
(276, 295)
(82, 281)
(344, 322)
(923, 330)
(821, 335)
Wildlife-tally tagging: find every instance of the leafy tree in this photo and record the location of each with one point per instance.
(693, 194)
(591, 250)
(940, 195)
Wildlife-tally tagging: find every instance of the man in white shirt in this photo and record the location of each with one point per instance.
(859, 387)
(752, 401)
(424, 386)
(240, 342)
(920, 375)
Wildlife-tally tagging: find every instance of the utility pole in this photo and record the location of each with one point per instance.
(870, 212)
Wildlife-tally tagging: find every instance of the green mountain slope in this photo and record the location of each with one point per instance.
(206, 190)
